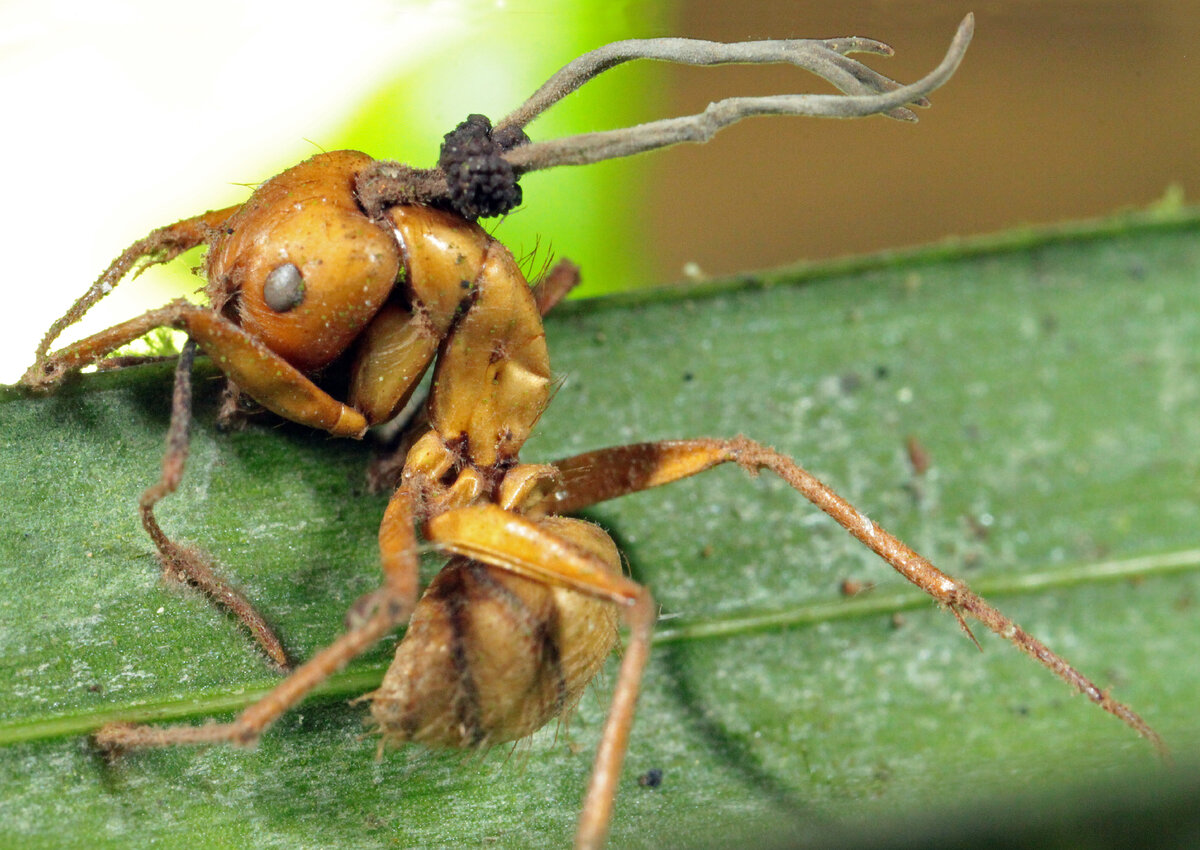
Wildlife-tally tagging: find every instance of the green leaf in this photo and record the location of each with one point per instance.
(1053, 381)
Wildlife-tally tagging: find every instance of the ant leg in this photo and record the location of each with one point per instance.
(553, 287)
(596, 813)
(127, 361)
(273, 381)
(502, 538)
(160, 246)
(492, 535)
(606, 474)
(259, 372)
(185, 563)
(391, 606)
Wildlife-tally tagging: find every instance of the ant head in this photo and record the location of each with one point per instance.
(301, 264)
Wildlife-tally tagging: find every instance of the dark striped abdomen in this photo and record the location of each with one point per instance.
(491, 657)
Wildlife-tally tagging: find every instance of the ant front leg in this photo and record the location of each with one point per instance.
(261, 373)
(185, 563)
(257, 370)
(160, 246)
(608, 473)
(390, 606)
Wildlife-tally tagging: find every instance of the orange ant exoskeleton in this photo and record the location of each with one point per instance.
(345, 276)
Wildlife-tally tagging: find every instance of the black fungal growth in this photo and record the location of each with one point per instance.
(482, 184)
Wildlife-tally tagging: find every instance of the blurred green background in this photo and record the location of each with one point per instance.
(126, 116)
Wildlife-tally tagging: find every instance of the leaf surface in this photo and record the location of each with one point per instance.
(1053, 383)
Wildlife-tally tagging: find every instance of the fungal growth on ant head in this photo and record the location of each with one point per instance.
(352, 276)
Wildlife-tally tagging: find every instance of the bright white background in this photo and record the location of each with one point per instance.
(123, 116)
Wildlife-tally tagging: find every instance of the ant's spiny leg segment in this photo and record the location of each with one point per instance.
(596, 814)
(951, 592)
(609, 473)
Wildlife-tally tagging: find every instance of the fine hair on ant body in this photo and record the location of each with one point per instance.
(337, 286)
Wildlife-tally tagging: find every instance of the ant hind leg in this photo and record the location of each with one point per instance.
(608, 473)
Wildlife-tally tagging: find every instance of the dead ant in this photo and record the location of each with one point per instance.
(348, 275)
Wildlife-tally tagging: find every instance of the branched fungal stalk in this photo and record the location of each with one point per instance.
(866, 92)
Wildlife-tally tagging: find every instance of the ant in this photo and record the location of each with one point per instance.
(337, 286)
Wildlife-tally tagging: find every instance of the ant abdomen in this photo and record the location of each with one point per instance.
(491, 656)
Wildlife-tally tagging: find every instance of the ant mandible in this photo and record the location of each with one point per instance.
(344, 271)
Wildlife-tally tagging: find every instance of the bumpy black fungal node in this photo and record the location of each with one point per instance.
(482, 184)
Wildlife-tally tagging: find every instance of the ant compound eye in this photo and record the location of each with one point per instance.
(283, 289)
